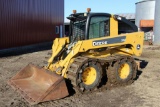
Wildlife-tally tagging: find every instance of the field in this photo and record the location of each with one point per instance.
(144, 92)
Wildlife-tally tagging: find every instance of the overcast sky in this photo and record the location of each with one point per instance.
(108, 6)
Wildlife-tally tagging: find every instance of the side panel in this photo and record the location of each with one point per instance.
(133, 39)
(25, 22)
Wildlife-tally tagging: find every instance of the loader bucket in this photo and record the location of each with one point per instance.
(38, 85)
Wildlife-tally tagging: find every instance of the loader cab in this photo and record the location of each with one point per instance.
(84, 26)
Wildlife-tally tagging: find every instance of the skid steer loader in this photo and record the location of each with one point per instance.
(96, 48)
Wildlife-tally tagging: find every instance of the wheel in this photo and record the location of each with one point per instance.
(89, 76)
(122, 72)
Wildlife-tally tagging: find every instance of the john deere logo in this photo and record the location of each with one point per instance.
(100, 43)
(138, 47)
(107, 41)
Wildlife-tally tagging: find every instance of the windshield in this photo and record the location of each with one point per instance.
(78, 30)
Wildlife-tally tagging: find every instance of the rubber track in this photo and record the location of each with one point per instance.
(80, 60)
(73, 70)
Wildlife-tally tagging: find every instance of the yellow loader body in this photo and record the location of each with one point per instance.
(39, 84)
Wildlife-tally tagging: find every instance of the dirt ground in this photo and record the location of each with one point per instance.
(144, 92)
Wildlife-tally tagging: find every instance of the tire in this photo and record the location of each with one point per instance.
(122, 72)
(88, 81)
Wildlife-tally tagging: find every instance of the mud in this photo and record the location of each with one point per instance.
(144, 92)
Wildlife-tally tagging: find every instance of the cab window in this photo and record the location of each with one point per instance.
(99, 27)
